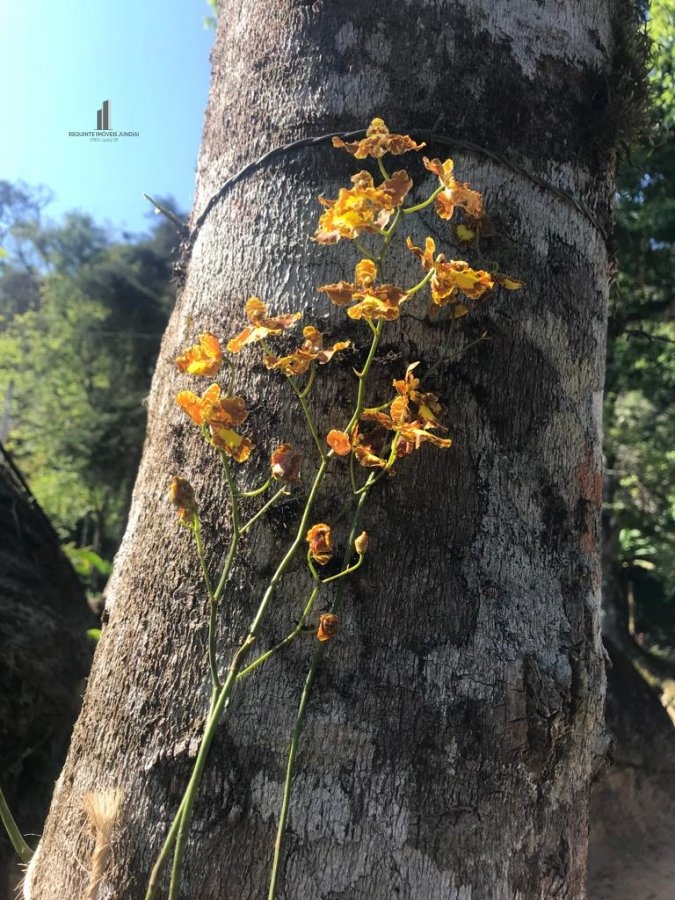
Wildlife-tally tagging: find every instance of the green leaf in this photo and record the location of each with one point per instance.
(93, 634)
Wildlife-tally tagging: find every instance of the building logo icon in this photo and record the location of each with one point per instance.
(104, 133)
(103, 117)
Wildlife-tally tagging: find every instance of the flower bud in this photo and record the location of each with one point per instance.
(361, 543)
(328, 626)
(182, 496)
(320, 543)
(285, 464)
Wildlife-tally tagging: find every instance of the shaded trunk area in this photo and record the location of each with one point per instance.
(44, 658)
(631, 850)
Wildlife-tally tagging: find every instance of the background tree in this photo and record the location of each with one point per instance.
(631, 850)
(82, 317)
(45, 657)
(640, 419)
(456, 724)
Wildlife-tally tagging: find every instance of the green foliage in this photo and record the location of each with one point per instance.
(640, 416)
(212, 20)
(81, 318)
(86, 561)
(94, 635)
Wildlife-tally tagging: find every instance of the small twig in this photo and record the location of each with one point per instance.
(172, 217)
(639, 333)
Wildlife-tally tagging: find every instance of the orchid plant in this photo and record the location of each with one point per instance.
(376, 436)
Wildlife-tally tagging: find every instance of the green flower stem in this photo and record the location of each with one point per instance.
(357, 565)
(263, 509)
(363, 374)
(308, 416)
(373, 478)
(290, 764)
(290, 553)
(420, 284)
(445, 357)
(213, 606)
(356, 521)
(258, 491)
(185, 813)
(181, 824)
(218, 706)
(202, 556)
(217, 687)
(423, 205)
(24, 852)
(236, 532)
(310, 381)
(389, 232)
(383, 169)
(231, 374)
(352, 473)
(164, 853)
(366, 254)
(312, 567)
(213, 662)
(287, 640)
(300, 716)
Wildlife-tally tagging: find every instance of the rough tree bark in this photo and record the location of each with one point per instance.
(455, 724)
(44, 658)
(631, 851)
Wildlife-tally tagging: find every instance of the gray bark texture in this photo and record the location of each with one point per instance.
(44, 658)
(455, 723)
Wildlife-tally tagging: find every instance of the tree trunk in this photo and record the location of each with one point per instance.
(44, 659)
(455, 723)
(631, 841)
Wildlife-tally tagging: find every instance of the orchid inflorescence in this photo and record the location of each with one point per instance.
(374, 438)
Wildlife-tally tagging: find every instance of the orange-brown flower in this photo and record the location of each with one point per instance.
(339, 442)
(182, 496)
(205, 358)
(427, 407)
(369, 302)
(212, 408)
(328, 626)
(368, 446)
(231, 443)
(410, 422)
(311, 349)
(413, 435)
(342, 292)
(455, 193)
(379, 303)
(364, 207)
(220, 414)
(285, 464)
(261, 325)
(451, 278)
(320, 543)
(377, 142)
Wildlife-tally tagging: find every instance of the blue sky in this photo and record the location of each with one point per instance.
(59, 61)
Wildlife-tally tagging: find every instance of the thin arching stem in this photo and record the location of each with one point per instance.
(302, 707)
